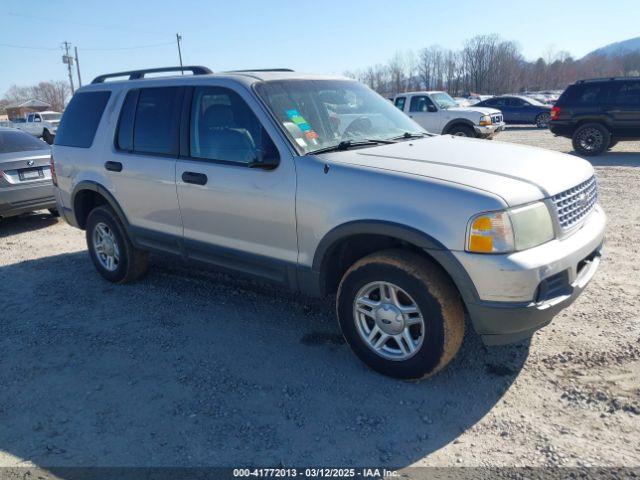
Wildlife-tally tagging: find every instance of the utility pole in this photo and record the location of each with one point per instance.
(68, 59)
(78, 67)
(178, 38)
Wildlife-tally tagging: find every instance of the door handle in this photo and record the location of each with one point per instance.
(194, 177)
(113, 166)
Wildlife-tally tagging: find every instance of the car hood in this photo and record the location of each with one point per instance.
(518, 174)
(472, 109)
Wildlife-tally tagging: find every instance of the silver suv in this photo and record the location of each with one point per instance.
(319, 184)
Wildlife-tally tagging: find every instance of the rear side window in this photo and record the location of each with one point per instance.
(627, 93)
(584, 95)
(81, 118)
(149, 121)
(16, 141)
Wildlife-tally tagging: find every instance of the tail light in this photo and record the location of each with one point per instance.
(555, 113)
(52, 167)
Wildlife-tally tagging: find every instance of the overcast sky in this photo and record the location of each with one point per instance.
(326, 36)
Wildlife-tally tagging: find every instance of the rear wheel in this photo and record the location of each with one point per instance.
(542, 120)
(461, 131)
(591, 139)
(400, 314)
(111, 250)
(612, 143)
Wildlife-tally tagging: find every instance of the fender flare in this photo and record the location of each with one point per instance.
(441, 254)
(96, 187)
(457, 121)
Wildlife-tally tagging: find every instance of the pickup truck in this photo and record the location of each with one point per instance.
(40, 124)
(438, 112)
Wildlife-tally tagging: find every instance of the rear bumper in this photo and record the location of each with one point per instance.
(521, 292)
(16, 200)
(561, 129)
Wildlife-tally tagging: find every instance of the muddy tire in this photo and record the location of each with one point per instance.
(401, 314)
(110, 248)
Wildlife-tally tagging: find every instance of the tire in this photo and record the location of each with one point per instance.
(420, 283)
(612, 143)
(131, 263)
(54, 212)
(47, 137)
(542, 120)
(461, 131)
(591, 139)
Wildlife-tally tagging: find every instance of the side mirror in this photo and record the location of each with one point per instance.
(267, 157)
(265, 160)
(431, 108)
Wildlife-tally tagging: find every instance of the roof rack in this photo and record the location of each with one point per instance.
(137, 74)
(601, 79)
(261, 70)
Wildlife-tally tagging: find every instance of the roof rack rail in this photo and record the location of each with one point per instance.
(600, 79)
(137, 74)
(261, 70)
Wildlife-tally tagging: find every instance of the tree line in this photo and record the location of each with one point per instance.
(487, 64)
(54, 92)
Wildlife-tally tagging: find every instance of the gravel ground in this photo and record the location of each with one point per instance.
(190, 367)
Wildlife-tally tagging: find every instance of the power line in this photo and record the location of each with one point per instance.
(27, 47)
(98, 49)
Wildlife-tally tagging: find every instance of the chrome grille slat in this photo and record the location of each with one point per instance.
(576, 203)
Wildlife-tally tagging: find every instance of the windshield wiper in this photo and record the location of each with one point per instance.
(347, 144)
(407, 135)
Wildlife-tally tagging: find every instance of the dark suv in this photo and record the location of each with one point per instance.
(598, 113)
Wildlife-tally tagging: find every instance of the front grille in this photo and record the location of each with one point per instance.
(576, 203)
(496, 118)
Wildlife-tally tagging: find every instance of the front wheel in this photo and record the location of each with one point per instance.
(542, 120)
(111, 250)
(591, 139)
(462, 131)
(400, 314)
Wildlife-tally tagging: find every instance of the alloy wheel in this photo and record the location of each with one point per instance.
(388, 320)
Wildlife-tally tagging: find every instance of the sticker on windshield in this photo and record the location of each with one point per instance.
(302, 124)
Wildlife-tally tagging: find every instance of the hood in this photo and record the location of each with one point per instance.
(480, 110)
(517, 173)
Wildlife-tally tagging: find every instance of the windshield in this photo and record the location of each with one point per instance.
(47, 117)
(318, 114)
(535, 102)
(443, 100)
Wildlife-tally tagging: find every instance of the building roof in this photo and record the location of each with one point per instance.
(31, 103)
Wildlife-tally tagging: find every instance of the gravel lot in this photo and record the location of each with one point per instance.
(190, 367)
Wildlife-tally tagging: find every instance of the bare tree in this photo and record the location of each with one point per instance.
(54, 92)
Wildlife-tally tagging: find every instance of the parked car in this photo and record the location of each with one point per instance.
(25, 178)
(598, 113)
(40, 124)
(437, 112)
(520, 110)
(319, 184)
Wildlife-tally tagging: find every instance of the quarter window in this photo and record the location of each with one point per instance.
(224, 128)
(400, 101)
(81, 118)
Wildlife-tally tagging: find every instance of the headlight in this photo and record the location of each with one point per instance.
(510, 230)
(485, 120)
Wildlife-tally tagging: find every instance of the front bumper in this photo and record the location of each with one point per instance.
(19, 199)
(489, 130)
(521, 292)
